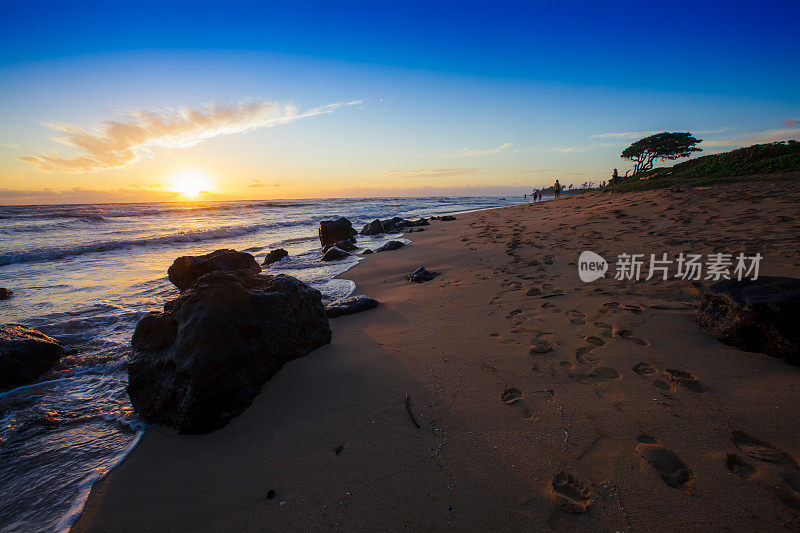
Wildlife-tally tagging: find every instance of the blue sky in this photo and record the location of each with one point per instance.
(437, 97)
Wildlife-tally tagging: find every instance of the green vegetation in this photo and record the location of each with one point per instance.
(772, 161)
(661, 146)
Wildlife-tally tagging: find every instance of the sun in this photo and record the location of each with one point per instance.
(191, 183)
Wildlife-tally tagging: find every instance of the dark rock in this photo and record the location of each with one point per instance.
(755, 315)
(70, 350)
(202, 360)
(25, 354)
(367, 251)
(394, 224)
(391, 245)
(373, 228)
(421, 274)
(350, 305)
(419, 222)
(274, 256)
(445, 218)
(270, 494)
(346, 245)
(185, 270)
(5, 293)
(333, 231)
(414, 230)
(335, 254)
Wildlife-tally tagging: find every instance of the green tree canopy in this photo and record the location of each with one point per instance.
(662, 146)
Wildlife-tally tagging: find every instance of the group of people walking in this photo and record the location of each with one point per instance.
(537, 195)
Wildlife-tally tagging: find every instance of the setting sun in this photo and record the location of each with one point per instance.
(190, 183)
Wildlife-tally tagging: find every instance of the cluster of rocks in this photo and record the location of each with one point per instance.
(337, 237)
(392, 225)
(202, 360)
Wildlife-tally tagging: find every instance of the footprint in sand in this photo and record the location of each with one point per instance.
(576, 317)
(782, 470)
(585, 356)
(597, 341)
(597, 375)
(540, 346)
(669, 466)
(570, 495)
(515, 398)
(684, 379)
(739, 466)
(628, 336)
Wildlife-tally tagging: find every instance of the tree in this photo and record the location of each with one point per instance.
(662, 146)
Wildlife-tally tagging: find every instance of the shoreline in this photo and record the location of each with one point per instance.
(499, 423)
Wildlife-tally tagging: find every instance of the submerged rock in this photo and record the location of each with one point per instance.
(391, 245)
(5, 293)
(755, 315)
(367, 251)
(202, 360)
(185, 270)
(335, 254)
(422, 274)
(349, 305)
(333, 231)
(444, 218)
(274, 256)
(25, 354)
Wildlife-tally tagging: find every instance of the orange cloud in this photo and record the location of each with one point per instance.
(118, 144)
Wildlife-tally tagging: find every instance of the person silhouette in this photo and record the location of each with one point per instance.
(557, 189)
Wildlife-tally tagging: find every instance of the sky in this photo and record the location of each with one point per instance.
(162, 101)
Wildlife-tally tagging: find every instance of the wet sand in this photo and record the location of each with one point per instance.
(544, 402)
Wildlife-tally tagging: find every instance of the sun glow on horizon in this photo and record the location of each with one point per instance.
(191, 183)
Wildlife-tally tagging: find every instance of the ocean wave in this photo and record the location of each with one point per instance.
(224, 232)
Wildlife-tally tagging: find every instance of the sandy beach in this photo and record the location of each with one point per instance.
(544, 402)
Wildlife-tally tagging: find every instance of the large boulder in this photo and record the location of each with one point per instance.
(335, 254)
(759, 315)
(350, 305)
(333, 231)
(25, 354)
(202, 360)
(185, 270)
(373, 228)
(274, 256)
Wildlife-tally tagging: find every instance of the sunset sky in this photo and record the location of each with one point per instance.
(138, 101)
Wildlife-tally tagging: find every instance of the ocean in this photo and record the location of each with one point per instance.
(85, 274)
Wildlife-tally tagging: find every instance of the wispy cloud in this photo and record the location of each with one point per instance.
(623, 135)
(428, 172)
(13, 146)
(472, 152)
(757, 137)
(120, 144)
(792, 122)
